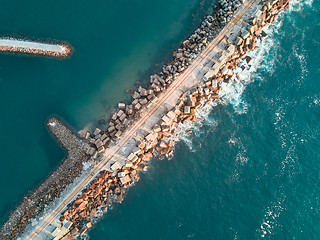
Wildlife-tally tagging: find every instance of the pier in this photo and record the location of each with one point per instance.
(142, 129)
(8, 44)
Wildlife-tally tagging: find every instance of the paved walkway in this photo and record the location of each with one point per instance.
(5, 42)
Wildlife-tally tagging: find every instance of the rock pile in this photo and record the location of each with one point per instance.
(182, 58)
(63, 54)
(105, 190)
(226, 10)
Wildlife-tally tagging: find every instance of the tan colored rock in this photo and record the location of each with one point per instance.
(156, 128)
(147, 156)
(125, 179)
(131, 156)
(78, 201)
(142, 145)
(129, 164)
(163, 145)
(171, 115)
(166, 119)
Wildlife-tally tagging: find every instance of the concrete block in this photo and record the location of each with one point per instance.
(187, 110)
(121, 105)
(96, 131)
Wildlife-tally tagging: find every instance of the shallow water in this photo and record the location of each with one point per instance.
(249, 172)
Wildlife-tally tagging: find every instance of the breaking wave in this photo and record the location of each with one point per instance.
(263, 60)
(203, 119)
(232, 92)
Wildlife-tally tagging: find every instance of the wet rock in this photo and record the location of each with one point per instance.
(87, 135)
(144, 93)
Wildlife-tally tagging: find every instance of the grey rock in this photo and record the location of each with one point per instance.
(143, 101)
(135, 95)
(96, 131)
(111, 129)
(120, 112)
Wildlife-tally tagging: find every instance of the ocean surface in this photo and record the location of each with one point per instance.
(250, 168)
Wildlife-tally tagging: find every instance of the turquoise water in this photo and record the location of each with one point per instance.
(250, 172)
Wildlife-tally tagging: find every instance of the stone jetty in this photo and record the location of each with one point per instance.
(19, 45)
(109, 186)
(143, 128)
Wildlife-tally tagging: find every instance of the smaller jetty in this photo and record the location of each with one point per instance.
(52, 49)
(35, 202)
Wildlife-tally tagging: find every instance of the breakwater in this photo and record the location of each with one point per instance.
(108, 187)
(142, 129)
(52, 49)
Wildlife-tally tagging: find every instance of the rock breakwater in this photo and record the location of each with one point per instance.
(110, 184)
(20, 45)
(109, 187)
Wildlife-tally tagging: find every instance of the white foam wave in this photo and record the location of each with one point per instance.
(263, 59)
(272, 213)
(299, 5)
(232, 92)
(184, 130)
(289, 161)
(314, 101)
(242, 157)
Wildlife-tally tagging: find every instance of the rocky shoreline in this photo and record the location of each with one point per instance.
(110, 186)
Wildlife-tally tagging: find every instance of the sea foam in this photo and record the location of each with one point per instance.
(269, 222)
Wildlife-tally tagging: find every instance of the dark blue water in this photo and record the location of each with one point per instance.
(251, 171)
